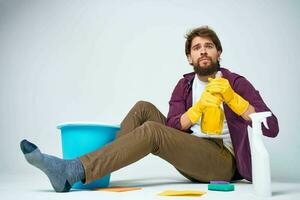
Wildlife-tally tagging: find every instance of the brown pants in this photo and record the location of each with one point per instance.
(143, 131)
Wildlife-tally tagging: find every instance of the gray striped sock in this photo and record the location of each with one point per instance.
(61, 173)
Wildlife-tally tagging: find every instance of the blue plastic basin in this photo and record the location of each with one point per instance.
(79, 138)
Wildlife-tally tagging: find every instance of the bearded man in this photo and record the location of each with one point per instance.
(177, 138)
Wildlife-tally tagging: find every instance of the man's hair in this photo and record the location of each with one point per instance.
(202, 31)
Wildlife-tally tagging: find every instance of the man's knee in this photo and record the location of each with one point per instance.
(144, 105)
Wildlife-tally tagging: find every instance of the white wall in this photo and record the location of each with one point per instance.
(92, 60)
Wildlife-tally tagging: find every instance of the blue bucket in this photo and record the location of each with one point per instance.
(79, 138)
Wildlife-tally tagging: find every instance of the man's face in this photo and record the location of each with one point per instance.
(204, 56)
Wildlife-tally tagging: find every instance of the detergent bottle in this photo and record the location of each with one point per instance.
(212, 119)
(261, 175)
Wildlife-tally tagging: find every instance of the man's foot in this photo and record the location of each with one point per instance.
(61, 173)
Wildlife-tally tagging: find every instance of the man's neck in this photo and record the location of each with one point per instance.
(205, 78)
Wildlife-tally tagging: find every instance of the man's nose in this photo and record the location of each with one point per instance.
(203, 51)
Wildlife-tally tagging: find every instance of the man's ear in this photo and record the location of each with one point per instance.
(219, 55)
(189, 59)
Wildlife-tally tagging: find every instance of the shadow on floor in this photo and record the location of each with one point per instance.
(286, 191)
(138, 182)
(150, 182)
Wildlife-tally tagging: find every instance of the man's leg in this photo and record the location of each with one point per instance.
(141, 112)
(177, 147)
(64, 173)
(198, 158)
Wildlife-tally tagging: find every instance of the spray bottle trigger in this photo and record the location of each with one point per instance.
(265, 123)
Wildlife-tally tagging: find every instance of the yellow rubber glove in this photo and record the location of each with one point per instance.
(206, 100)
(221, 85)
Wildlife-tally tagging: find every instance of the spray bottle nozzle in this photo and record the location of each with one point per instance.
(219, 74)
(260, 117)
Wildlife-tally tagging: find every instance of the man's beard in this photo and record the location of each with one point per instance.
(208, 70)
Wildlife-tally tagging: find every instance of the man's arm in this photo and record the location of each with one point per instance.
(186, 122)
(243, 99)
(177, 106)
(244, 88)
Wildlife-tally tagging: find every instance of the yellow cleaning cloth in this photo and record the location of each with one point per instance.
(117, 189)
(182, 193)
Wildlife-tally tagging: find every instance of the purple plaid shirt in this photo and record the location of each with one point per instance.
(181, 101)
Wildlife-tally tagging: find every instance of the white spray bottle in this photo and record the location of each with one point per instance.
(261, 175)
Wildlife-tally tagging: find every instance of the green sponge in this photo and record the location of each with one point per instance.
(221, 187)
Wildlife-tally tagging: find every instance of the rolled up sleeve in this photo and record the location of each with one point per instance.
(244, 88)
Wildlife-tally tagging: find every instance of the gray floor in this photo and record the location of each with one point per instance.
(152, 178)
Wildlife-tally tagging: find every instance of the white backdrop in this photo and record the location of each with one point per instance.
(92, 60)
